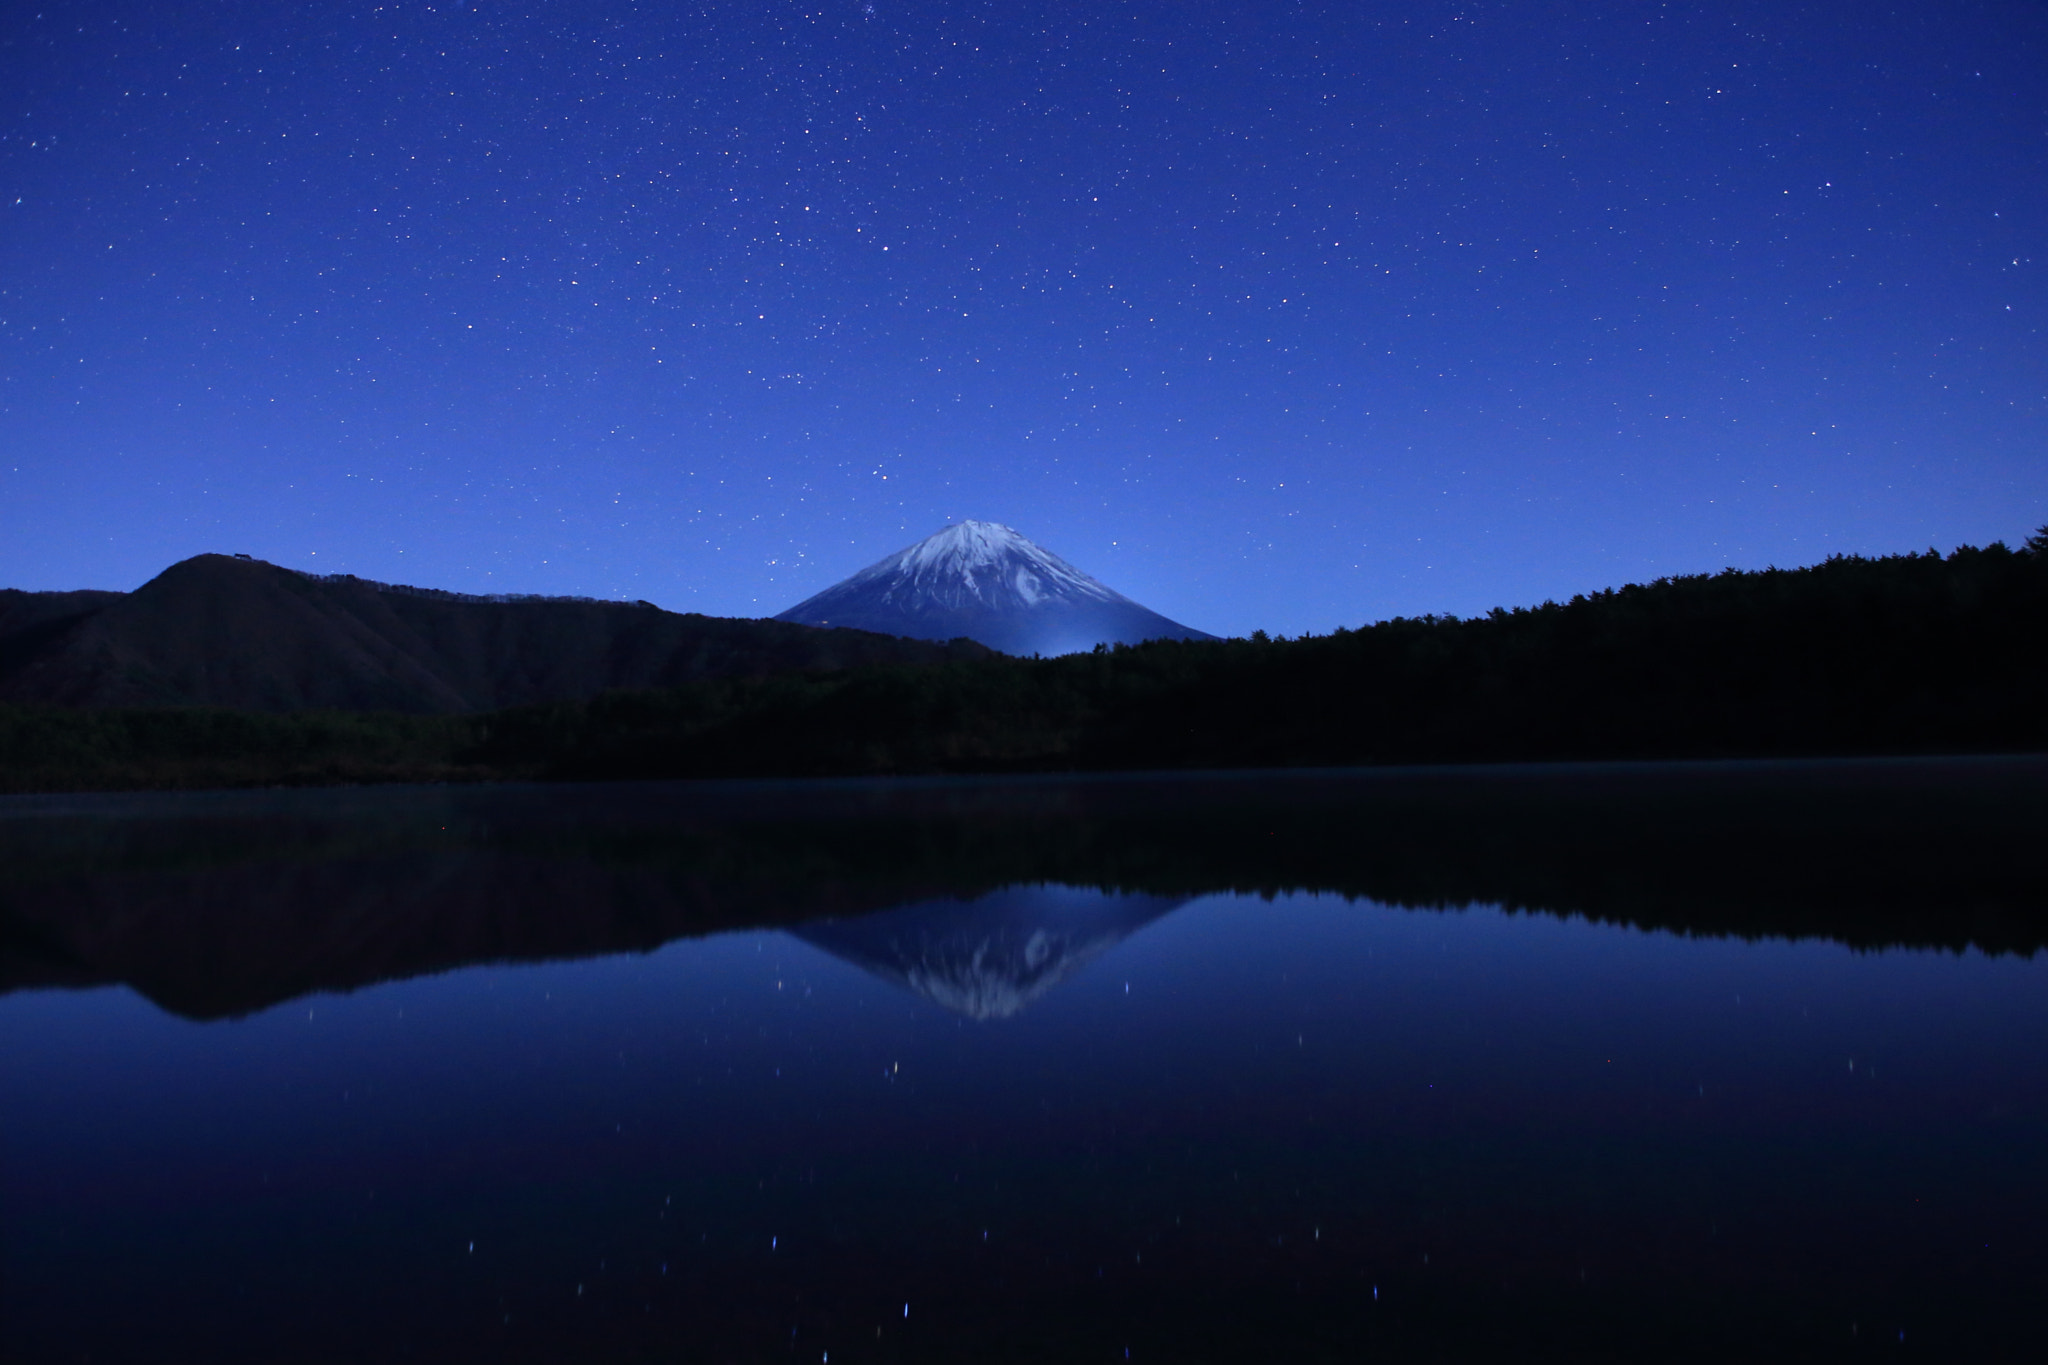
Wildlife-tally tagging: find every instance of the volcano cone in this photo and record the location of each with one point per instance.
(984, 581)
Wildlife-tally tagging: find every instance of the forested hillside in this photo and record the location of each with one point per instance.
(229, 631)
(1902, 654)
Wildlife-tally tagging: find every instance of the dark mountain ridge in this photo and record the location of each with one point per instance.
(223, 630)
(1908, 654)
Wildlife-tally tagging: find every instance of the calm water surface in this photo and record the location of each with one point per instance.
(987, 1118)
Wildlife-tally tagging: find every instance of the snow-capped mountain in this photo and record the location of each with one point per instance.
(988, 583)
(989, 957)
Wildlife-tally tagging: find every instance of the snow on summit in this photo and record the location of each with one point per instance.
(985, 581)
(980, 563)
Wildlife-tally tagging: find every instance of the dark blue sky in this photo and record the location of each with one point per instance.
(1269, 315)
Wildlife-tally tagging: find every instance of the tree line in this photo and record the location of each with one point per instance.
(1898, 654)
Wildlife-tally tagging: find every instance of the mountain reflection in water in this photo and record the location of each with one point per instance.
(669, 1113)
(989, 957)
(220, 904)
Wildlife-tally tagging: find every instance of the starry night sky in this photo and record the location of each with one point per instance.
(1270, 315)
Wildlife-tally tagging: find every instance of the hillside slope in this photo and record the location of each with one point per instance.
(1905, 654)
(1909, 654)
(219, 630)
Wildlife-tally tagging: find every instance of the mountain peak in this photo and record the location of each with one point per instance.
(985, 581)
(982, 563)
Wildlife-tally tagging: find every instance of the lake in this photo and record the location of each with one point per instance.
(1627, 1062)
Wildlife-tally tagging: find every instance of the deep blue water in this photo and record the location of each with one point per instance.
(1049, 1122)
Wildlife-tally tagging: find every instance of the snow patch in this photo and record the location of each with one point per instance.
(983, 580)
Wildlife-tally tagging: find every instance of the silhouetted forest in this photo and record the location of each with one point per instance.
(1894, 655)
(226, 631)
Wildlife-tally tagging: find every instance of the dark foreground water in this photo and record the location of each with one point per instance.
(1753, 1064)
